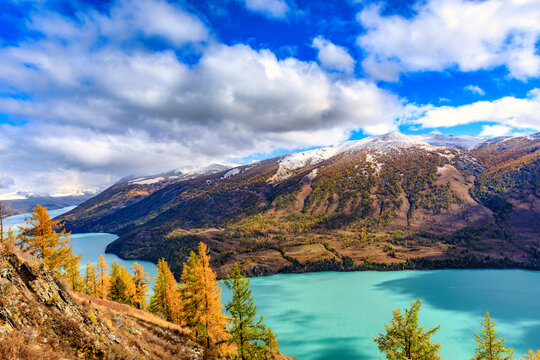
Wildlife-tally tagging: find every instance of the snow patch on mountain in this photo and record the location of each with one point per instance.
(382, 143)
(230, 173)
(147, 181)
(185, 173)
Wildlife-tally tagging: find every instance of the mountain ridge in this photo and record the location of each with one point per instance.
(393, 200)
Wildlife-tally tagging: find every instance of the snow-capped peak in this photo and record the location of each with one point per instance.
(393, 140)
(184, 173)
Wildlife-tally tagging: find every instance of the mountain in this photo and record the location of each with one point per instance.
(56, 201)
(393, 201)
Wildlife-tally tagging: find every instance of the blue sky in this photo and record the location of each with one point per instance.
(91, 91)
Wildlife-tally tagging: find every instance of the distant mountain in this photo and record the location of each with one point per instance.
(26, 202)
(385, 202)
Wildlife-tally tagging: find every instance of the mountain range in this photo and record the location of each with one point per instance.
(391, 202)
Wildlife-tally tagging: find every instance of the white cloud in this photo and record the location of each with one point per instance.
(477, 90)
(519, 113)
(271, 8)
(100, 112)
(468, 35)
(495, 130)
(126, 20)
(333, 57)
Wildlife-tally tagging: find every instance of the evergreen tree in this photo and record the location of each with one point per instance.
(489, 345)
(253, 340)
(90, 279)
(405, 340)
(165, 301)
(103, 278)
(140, 280)
(202, 309)
(40, 238)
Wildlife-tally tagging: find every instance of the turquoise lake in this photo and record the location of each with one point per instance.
(334, 315)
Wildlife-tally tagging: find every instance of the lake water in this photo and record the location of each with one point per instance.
(334, 315)
(90, 245)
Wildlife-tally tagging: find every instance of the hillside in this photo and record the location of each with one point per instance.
(386, 202)
(39, 318)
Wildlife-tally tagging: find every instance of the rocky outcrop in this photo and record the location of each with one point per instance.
(39, 316)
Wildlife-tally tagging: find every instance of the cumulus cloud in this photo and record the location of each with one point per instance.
(519, 113)
(495, 130)
(477, 90)
(333, 57)
(468, 35)
(271, 8)
(99, 109)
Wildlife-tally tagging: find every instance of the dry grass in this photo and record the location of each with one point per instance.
(139, 331)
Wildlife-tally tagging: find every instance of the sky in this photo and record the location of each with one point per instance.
(92, 91)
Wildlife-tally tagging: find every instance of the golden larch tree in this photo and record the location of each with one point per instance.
(202, 308)
(140, 280)
(47, 240)
(122, 288)
(104, 281)
(165, 301)
(90, 279)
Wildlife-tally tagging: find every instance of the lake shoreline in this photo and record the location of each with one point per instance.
(422, 264)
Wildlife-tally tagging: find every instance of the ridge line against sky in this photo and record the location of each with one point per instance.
(91, 91)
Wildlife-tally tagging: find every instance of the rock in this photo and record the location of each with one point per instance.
(134, 330)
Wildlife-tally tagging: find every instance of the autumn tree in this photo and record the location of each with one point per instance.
(166, 300)
(531, 355)
(73, 274)
(47, 240)
(122, 288)
(489, 345)
(90, 279)
(253, 340)
(202, 309)
(140, 280)
(104, 280)
(405, 339)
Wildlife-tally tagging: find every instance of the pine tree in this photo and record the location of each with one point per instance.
(489, 345)
(40, 238)
(140, 280)
(90, 279)
(253, 340)
(405, 340)
(165, 301)
(202, 309)
(103, 278)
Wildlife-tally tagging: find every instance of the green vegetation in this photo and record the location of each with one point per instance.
(489, 345)
(253, 340)
(406, 340)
